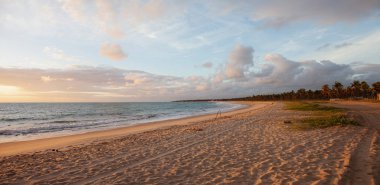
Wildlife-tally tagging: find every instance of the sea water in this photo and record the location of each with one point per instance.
(26, 121)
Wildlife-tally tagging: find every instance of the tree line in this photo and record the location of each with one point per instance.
(356, 90)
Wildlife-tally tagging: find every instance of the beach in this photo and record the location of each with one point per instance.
(189, 92)
(246, 146)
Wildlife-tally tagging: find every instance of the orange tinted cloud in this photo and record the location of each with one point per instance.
(112, 51)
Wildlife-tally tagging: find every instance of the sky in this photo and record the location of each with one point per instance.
(164, 50)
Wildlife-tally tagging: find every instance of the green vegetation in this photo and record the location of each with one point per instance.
(321, 117)
(355, 91)
(310, 106)
(325, 121)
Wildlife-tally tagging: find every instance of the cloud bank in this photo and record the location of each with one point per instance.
(84, 83)
(237, 77)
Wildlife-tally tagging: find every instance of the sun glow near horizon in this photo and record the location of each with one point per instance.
(12, 94)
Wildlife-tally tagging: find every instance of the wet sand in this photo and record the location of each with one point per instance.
(249, 146)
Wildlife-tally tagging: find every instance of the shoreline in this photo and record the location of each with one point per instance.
(22, 147)
(121, 124)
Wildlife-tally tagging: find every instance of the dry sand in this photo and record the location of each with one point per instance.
(365, 160)
(249, 146)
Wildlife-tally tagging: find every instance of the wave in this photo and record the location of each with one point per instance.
(64, 121)
(87, 117)
(69, 125)
(48, 129)
(13, 119)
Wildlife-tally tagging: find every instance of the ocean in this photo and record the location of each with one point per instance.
(27, 121)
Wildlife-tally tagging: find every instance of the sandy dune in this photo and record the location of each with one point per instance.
(247, 147)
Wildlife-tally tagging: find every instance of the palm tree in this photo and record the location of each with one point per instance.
(376, 86)
(326, 91)
(310, 94)
(338, 89)
(349, 92)
(364, 88)
(301, 93)
(356, 88)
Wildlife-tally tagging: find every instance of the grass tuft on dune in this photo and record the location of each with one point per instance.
(321, 117)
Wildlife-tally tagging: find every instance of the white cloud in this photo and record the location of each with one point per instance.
(113, 16)
(143, 80)
(112, 51)
(138, 11)
(116, 15)
(58, 54)
(115, 32)
(47, 79)
(310, 73)
(201, 84)
(359, 49)
(278, 74)
(240, 60)
(75, 9)
(277, 13)
(283, 71)
(238, 65)
(369, 72)
(109, 19)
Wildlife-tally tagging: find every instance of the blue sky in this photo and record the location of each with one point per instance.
(168, 50)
